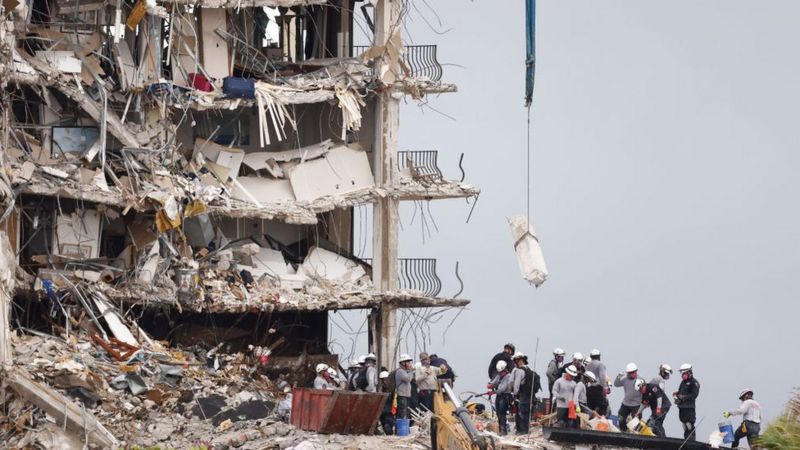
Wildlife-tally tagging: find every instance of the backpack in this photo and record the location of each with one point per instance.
(360, 379)
(531, 384)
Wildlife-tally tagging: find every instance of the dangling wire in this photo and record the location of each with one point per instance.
(528, 167)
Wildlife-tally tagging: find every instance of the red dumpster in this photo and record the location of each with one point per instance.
(336, 412)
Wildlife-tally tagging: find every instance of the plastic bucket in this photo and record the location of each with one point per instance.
(727, 428)
(403, 427)
(614, 420)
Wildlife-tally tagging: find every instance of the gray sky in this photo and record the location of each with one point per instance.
(665, 162)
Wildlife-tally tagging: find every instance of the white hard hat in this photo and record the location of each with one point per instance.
(578, 356)
(572, 370)
(321, 367)
(665, 368)
(558, 352)
(371, 356)
(362, 359)
(518, 355)
(685, 367)
(354, 362)
(384, 374)
(500, 366)
(594, 352)
(590, 375)
(750, 391)
(631, 367)
(332, 371)
(405, 357)
(638, 384)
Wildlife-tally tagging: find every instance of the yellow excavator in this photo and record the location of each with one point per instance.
(451, 424)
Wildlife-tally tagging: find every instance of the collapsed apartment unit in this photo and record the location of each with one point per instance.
(184, 174)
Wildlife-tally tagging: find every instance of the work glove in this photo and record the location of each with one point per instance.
(578, 409)
(489, 386)
(726, 414)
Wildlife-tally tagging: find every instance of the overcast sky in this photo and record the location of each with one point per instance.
(665, 181)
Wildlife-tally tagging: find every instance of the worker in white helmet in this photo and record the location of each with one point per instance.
(403, 377)
(750, 411)
(553, 372)
(526, 384)
(685, 398)
(597, 391)
(579, 394)
(502, 385)
(387, 418)
(655, 398)
(577, 362)
(632, 399)
(324, 380)
(564, 393)
(355, 365)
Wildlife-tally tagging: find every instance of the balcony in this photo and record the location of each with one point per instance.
(417, 274)
(421, 164)
(420, 59)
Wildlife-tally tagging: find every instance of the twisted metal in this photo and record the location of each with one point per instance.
(420, 59)
(422, 163)
(417, 274)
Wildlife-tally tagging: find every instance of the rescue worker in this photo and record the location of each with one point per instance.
(553, 372)
(577, 362)
(632, 399)
(337, 380)
(581, 402)
(563, 392)
(597, 393)
(505, 355)
(351, 373)
(502, 385)
(324, 379)
(351, 381)
(427, 383)
(387, 418)
(655, 397)
(403, 377)
(371, 361)
(685, 398)
(750, 411)
(446, 373)
(526, 384)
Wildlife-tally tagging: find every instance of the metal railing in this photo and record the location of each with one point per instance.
(420, 59)
(418, 274)
(421, 163)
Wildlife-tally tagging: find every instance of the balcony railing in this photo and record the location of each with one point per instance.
(421, 163)
(418, 274)
(420, 59)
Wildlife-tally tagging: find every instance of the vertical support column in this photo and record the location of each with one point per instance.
(7, 260)
(385, 211)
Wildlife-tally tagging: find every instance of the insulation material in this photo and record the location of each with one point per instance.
(326, 264)
(529, 253)
(77, 235)
(342, 170)
(213, 48)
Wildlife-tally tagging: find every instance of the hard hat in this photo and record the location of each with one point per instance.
(404, 357)
(631, 367)
(354, 363)
(511, 346)
(590, 375)
(638, 384)
(362, 359)
(685, 367)
(371, 356)
(518, 355)
(572, 370)
(665, 368)
(744, 392)
(321, 367)
(578, 356)
(587, 360)
(558, 352)
(332, 371)
(594, 352)
(500, 366)
(384, 374)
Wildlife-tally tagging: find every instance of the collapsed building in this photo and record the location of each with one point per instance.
(178, 185)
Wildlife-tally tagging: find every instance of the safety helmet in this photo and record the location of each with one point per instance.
(685, 367)
(590, 375)
(745, 392)
(587, 360)
(332, 371)
(354, 363)
(558, 352)
(511, 346)
(384, 374)
(638, 384)
(362, 359)
(500, 366)
(371, 356)
(665, 368)
(518, 355)
(631, 367)
(594, 352)
(572, 370)
(321, 367)
(577, 356)
(405, 357)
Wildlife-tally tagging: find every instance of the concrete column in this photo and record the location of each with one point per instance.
(385, 211)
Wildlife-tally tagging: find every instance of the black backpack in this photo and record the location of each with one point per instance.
(360, 380)
(531, 384)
